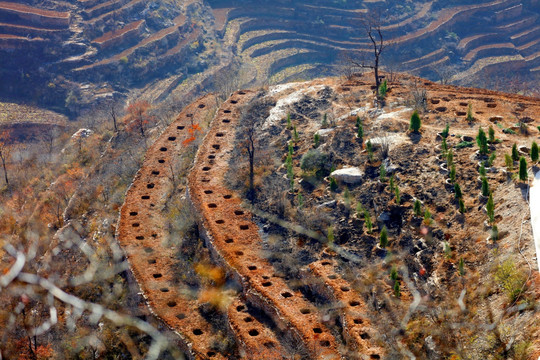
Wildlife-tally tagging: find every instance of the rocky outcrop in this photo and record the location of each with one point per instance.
(351, 175)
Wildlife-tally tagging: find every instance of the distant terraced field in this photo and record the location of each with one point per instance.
(173, 47)
(485, 35)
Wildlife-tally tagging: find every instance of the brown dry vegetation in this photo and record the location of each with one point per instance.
(295, 273)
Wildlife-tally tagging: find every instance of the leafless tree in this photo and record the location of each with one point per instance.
(113, 113)
(5, 151)
(373, 28)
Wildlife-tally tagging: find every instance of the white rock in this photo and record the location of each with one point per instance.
(352, 175)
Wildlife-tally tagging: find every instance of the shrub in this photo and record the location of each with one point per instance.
(515, 153)
(523, 169)
(457, 191)
(316, 162)
(491, 134)
(534, 151)
(369, 148)
(509, 131)
(464, 144)
(510, 279)
(383, 239)
(417, 207)
(490, 207)
(481, 140)
(415, 123)
(485, 186)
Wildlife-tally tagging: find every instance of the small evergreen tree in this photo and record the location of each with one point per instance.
(417, 208)
(383, 239)
(450, 158)
(452, 174)
(457, 191)
(383, 89)
(393, 273)
(367, 221)
(333, 184)
(482, 170)
(462, 208)
(289, 122)
(316, 140)
(508, 162)
(444, 146)
(392, 185)
(491, 159)
(300, 200)
(398, 196)
(534, 151)
(290, 148)
(359, 210)
(397, 289)
(485, 186)
(446, 131)
(382, 172)
(330, 235)
(491, 134)
(295, 134)
(324, 123)
(461, 267)
(360, 131)
(415, 123)
(369, 148)
(427, 217)
(490, 207)
(515, 153)
(481, 140)
(494, 233)
(358, 121)
(470, 116)
(523, 169)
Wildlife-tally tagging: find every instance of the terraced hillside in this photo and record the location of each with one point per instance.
(281, 283)
(87, 50)
(302, 39)
(68, 55)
